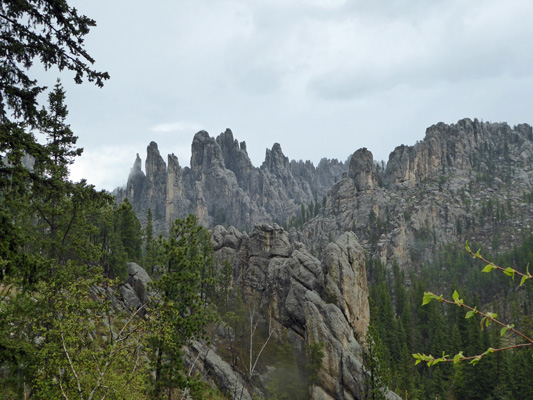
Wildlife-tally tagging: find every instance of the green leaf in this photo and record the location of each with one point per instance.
(422, 357)
(509, 272)
(489, 351)
(467, 247)
(524, 279)
(471, 313)
(492, 315)
(428, 296)
(488, 268)
(478, 254)
(455, 296)
(458, 357)
(475, 360)
(505, 329)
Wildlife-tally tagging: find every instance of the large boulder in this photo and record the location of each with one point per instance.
(139, 280)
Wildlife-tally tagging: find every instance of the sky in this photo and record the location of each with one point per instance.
(321, 77)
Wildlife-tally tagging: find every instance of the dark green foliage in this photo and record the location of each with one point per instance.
(150, 244)
(376, 363)
(432, 329)
(182, 312)
(48, 31)
(51, 32)
(129, 230)
(314, 356)
(58, 338)
(120, 238)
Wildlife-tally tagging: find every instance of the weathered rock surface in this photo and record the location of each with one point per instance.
(471, 180)
(139, 280)
(204, 360)
(463, 181)
(223, 187)
(363, 170)
(311, 301)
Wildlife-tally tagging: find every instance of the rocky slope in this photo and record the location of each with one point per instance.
(302, 299)
(223, 187)
(309, 301)
(465, 181)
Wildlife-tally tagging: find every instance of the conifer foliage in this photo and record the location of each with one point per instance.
(181, 311)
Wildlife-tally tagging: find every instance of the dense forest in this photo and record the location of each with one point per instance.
(401, 326)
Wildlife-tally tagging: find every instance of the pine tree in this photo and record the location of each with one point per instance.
(376, 364)
(53, 33)
(182, 312)
(150, 246)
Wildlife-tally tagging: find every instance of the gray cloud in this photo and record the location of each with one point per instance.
(356, 72)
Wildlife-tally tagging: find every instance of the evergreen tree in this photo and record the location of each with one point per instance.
(376, 364)
(150, 245)
(53, 33)
(182, 312)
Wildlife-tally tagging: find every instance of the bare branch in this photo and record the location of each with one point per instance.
(71, 366)
(270, 332)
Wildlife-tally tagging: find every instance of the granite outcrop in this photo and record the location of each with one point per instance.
(222, 186)
(464, 181)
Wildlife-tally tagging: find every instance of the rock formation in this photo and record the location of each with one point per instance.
(464, 181)
(223, 187)
(309, 301)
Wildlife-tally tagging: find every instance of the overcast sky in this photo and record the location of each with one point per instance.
(321, 77)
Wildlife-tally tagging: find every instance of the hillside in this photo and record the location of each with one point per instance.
(471, 180)
(466, 181)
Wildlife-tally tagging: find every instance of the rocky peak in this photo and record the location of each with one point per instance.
(173, 164)
(444, 189)
(235, 156)
(223, 187)
(450, 147)
(206, 154)
(136, 172)
(275, 160)
(271, 241)
(135, 185)
(137, 166)
(155, 165)
(362, 170)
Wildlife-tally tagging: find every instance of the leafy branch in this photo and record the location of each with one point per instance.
(486, 318)
(491, 266)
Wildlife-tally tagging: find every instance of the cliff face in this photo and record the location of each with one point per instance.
(223, 187)
(307, 301)
(465, 181)
(455, 147)
(470, 180)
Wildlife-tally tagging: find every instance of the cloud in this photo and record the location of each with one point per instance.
(177, 127)
(295, 71)
(375, 54)
(107, 167)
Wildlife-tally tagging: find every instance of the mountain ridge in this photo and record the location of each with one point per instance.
(441, 187)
